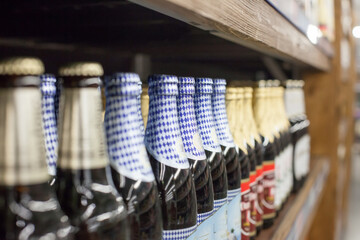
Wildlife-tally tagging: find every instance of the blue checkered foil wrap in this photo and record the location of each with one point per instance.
(126, 146)
(48, 91)
(220, 116)
(188, 127)
(162, 134)
(204, 114)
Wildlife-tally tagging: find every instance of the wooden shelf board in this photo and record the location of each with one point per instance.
(254, 24)
(294, 220)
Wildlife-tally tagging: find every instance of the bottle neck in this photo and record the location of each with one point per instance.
(48, 90)
(162, 134)
(247, 112)
(81, 132)
(261, 115)
(188, 127)
(205, 122)
(221, 120)
(139, 116)
(127, 151)
(22, 153)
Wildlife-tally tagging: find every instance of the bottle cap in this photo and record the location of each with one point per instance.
(21, 66)
(47, 84)
(82, 69)
(123, 84)
(186, 85)
(219, 86)
(204, 85)
(163, 84)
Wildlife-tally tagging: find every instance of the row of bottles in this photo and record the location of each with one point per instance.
(164, 161)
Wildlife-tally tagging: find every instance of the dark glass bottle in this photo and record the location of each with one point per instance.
(233, 104)
(48, 92)
(29, 208)
(230, 153)
(131, 169)
(84, 185)
(168, 159)
(206, 126)
(270, 153)
(258, 153)
(196, 155)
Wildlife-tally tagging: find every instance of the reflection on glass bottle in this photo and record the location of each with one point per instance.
(83, 178)
(206, 126)
(230, 152)
(29, 208)
(131, 170)
(168, 159)
(196, 155)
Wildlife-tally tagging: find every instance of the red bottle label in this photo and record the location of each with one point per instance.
(269, 190)
(245, 209)
(253, 199)
(260, 195)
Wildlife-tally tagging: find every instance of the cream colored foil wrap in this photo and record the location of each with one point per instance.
(81, 131)
(22, 147)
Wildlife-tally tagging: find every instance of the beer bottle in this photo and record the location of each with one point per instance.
(196, 155)
(250, 143)
(83, 179)
(305, 137)
(258, 150)
(130, 166)
(270, 151)
(295, 111)
(168, 159)
(287, 146)
(206, 125)
(48, 92)
(230, 153)
(29, 208)
(234, 103)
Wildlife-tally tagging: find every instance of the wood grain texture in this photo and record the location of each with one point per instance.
(285, 221)
(253, 23)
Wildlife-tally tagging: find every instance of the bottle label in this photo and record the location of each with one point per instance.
(220, 219)
(269, 190)
(179, 234)
(205, 122)
(234, 214)
(81, 132)
(188, 128)
(221, 120)
(22, 151)
(260, 195)
(245, 209)
(125, 139)
(253, 200)
(204, 230)
(162, 134)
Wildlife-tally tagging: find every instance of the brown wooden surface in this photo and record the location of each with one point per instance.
(329, 101)
(292, 208)
(254, 24)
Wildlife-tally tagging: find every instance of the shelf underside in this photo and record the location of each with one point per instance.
(113, 32)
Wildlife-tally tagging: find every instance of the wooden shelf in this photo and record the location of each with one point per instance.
(296, 217)
(253, 24)
(232, 33)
